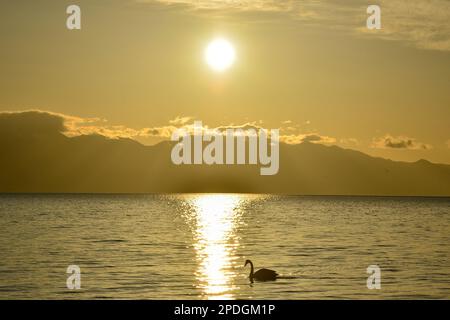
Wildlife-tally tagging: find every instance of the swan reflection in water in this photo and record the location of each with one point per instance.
(215, 219)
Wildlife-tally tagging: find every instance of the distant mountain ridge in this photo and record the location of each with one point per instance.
(39, 158)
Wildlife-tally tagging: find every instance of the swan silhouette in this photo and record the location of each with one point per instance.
(262, 274)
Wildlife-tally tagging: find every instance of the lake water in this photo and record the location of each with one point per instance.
(195, 246)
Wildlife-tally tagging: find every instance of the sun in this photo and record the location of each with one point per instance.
(220, 55)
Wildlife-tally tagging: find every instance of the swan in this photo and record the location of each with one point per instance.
(262, 274)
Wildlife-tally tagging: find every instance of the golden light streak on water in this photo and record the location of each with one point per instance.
(216, 218)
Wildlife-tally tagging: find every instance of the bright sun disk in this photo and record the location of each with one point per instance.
(220, 55)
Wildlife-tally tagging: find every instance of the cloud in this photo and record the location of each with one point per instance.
(30, 121)
(399, 142)
(424, 24)
(289, 134)
(245, 126)
(47, 122)
(71, 126)
(241, 5)
(44, 122)
(310, 137)
(180, 120)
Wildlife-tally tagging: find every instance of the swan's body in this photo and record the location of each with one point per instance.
(261, 274)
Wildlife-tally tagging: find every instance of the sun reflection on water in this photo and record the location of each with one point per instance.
(216, 218)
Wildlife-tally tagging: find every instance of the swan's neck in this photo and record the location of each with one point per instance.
(251, 269)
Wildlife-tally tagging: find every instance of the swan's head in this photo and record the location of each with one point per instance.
(247, 262)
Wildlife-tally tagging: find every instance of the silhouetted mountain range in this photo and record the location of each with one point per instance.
(37, 157)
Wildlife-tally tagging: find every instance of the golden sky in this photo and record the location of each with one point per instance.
(308, 67)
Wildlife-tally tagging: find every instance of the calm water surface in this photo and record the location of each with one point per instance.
(195, 246)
